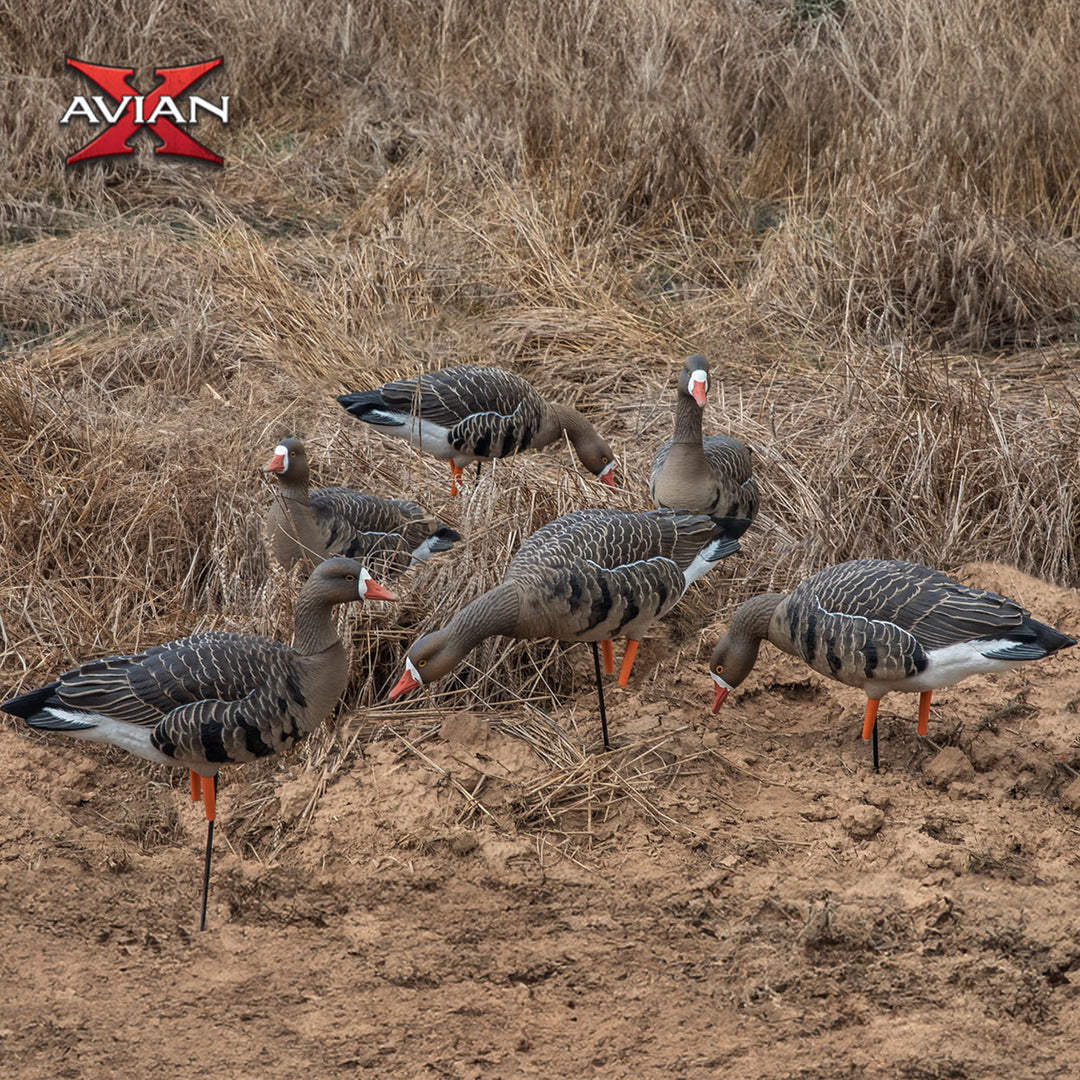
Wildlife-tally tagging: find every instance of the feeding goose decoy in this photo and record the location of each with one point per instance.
(587, 576)
(215, 698)
(884, 625)
(388, 535)
(711, 474)
(470, 413)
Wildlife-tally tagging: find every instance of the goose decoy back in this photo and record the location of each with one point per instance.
(472, 413)
(388, 535)
(885, 625)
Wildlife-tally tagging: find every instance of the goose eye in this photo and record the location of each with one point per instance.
(719, 669)
(421, 663)
(350, 577)
(605, 460)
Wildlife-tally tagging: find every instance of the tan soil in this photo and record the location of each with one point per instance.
(765, 907)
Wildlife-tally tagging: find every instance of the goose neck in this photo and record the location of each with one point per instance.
(575, 425)
(313, 625)
(687, 420)
(494, 612)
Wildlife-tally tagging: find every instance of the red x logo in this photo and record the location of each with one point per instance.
(140, 110)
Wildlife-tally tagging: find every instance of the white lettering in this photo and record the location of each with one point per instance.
(221, 113)
(79, 107)
(166, 104)
(99, 101)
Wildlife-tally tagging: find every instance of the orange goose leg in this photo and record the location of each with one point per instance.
(627, 661)
(455, 476)
(205, 789)
(609, 656)
(869, 728)
(924, 711)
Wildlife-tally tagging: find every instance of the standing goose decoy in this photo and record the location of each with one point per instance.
(468, 413)
(214, 698)
(584, 577)
(386, 534)
(884, 625)
(709, 475)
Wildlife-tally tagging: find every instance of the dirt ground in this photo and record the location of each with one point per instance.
(735, 896)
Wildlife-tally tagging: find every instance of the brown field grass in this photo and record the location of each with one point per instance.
(865, 214)
(866, 224)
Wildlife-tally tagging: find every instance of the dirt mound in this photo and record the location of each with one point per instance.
(737, 895)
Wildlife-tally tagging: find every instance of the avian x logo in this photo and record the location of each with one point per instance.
(157, 112)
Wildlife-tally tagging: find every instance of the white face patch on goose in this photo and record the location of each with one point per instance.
(410, 667)
(607, 470)
(282, 452)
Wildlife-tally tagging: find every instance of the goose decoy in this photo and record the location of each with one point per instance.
(710, 475)
(214, 698)
(388, 535)
(884, 625)
(469, 413)
(586, 576)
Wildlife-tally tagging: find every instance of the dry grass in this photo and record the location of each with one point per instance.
(867, 223)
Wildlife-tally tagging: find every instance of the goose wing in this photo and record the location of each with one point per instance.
(929, 605)
(731, 468)
(598, 573)
(452, 395)
(361, 526)
(142, 688)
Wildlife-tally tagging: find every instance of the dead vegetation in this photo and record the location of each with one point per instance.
(864, 212)
(866, 224)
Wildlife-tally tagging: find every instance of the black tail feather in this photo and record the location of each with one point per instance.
(29, 704)
(733, 527)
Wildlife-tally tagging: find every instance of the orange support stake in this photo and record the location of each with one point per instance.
(627, 662)
(196, 786)
(871, 717)
(209, 786)
(608, 652)
(924, 711)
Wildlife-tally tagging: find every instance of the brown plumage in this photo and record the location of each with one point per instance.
(588, 576)
(884, 625)
(214, 698)
(710, 475)
(211, 699)
(387, 535)
(470, 413)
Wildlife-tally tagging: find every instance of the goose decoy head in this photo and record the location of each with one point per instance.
(730, 663)
(598, 457)
(342, 580)
(694, 379)
(432, 657)
(290, 459)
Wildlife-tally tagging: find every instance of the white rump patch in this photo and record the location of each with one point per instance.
(95, 727)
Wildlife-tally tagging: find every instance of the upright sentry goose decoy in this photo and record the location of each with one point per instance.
(214, 698)
(587, 576)
(388, 535)
(710, 475)
(884, 625)
(470, 413)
